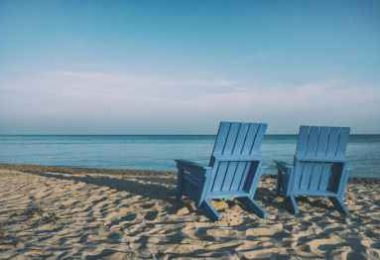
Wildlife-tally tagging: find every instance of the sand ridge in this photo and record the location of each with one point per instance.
(85, 214)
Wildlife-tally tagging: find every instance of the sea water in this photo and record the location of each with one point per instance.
(157, 152)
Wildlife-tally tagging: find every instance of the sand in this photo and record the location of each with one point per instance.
(85, 213)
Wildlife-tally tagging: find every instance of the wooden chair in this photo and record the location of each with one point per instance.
(234, 170)
(319, 167)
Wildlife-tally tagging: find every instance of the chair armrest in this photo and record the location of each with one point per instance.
(191, 166)
(238, 158)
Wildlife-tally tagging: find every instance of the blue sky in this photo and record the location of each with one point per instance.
(147, 67)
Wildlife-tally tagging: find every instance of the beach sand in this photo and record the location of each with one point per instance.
(87, 213)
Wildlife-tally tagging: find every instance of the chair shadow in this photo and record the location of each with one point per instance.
(151, 189)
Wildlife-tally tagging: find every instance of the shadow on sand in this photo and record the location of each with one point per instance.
(150, 187)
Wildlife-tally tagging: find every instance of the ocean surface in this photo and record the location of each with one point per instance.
(157, 152)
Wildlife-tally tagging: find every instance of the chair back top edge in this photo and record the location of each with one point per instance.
(318, 143)
(238, 139)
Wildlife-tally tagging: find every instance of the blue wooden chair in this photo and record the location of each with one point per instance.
(233, 172)
(319, 167)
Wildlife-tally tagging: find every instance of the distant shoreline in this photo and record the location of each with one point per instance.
(167, 135)
(35, 168)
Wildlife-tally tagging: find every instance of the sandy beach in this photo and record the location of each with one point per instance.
(56, 212)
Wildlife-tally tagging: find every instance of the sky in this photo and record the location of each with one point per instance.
(180, 67)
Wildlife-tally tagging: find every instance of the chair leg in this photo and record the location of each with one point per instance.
(253, 206)
(339, 205)
(293, 207)
(210, 211)
(279, 183)
(179, 191)
(178, 194)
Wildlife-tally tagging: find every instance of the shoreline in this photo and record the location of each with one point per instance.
(37, 168)
(54, 212)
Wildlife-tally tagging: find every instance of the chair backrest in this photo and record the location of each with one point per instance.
(236, 156)
(319, 158)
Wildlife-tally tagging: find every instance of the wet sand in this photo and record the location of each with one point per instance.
(57, 212)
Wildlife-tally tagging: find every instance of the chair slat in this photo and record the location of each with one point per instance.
(231, 139)
(312, 142)
(303, 138)
(239, 175)
(259, 138)
(333, 142)
(229, 176)
(242, 136)
(323, 141)
(221, 138)
(219, 176)
(250, 139)
(343, 139)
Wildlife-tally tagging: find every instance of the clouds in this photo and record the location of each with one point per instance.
(180, 68)
(103, 102)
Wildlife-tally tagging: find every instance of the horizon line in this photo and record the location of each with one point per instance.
(270, 134)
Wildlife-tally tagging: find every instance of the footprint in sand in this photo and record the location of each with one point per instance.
(203, 234)
(148, 205)
(115, 237)
(151, 215)
(129, 217)
(320, 246)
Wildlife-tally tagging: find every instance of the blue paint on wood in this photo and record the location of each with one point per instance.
(234, 169)
(319, 167)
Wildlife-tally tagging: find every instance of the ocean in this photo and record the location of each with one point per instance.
(157, 152)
